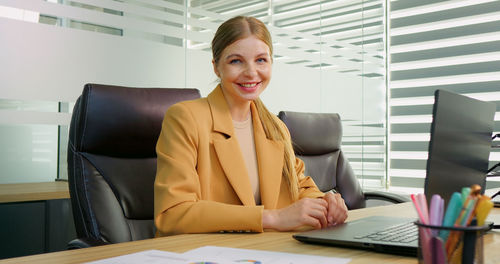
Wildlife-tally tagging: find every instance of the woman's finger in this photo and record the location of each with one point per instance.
(316, 208)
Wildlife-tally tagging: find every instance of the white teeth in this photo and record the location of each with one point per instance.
(248, 84)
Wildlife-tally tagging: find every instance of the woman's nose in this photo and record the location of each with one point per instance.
(251, 70)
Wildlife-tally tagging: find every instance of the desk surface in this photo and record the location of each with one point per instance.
(23, 192)
(274, 241)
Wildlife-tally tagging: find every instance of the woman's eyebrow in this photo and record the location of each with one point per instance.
(240, 56)
(233, 55)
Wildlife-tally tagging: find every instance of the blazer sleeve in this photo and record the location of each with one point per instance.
(307, 187)
(178, 205)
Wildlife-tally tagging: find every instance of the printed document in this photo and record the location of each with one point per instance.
(220, 255)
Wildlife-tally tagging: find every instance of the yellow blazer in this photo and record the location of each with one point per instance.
(202, 184)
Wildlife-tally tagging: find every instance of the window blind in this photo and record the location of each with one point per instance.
(452, 45)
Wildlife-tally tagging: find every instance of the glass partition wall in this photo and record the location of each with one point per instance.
(329, 57)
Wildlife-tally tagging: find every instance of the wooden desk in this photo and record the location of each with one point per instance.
(35, 218)
(23, 192)
(274, 241)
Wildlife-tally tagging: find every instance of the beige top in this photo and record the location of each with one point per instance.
(244, 134)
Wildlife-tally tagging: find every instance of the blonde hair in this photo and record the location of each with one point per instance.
(229, 32)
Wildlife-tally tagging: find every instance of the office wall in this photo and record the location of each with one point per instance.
(53, 48)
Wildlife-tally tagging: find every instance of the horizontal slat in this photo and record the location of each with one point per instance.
(415, 155)
(361, 156)
(456, 10)
(409, 145)
(408, 127)
(465, 68)
(479, 87)
(13, 117)
(373, 166)
(412, 108)
(429, 100)
(408, 8)
(409, 137)
(446, 24)
(445, 61)
(446, 80)
(411, 119)
(411, 164)
(407, 173)
(446, 33)
(407, 182)
(360, 138)
(411, 128)
(419, 182)
(364, 143)
(446, 43)
(364, 148)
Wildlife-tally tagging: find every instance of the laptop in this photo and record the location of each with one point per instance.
(459, 151)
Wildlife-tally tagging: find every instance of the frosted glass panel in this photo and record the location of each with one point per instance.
(329, 56)
(28, 153)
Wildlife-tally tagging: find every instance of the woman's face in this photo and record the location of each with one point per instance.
(244, 69)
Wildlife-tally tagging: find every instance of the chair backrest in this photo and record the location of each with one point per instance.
(317, 138)
(112, 159)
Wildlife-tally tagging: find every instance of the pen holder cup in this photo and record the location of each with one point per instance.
(440, 244)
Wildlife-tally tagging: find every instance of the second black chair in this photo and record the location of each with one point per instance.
(317, 139)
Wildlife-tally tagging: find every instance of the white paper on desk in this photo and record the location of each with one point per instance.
(244, 256)
(152, 257)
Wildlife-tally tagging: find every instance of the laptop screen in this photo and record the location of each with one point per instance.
(460, 143)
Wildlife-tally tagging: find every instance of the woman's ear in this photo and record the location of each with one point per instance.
(215, 68)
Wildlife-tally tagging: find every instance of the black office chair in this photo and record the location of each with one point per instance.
(112, 161)
(317, 138)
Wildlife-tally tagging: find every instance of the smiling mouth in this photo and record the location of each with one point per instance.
(249, 85)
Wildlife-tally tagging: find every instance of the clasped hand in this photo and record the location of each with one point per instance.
(315, 212)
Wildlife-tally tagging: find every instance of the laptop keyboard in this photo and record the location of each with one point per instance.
(401, 233)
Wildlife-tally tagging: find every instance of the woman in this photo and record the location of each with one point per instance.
(225, 163)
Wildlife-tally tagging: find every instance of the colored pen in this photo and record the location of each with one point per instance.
(425, 236)
(465, 194)
(453, 243)
(483, 208)
(438, 250)
(452, 211)
(469, 212)
(416, 203)
(423, 206)
(436, 212)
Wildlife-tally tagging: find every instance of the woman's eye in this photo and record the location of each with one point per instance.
(234, 61)
(261, 60)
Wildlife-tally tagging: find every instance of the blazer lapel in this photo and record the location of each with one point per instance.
(270, 155)
(228, 149)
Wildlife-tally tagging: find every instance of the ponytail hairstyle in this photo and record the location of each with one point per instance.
(237, 28)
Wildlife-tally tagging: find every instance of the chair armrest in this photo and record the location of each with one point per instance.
(85, 242)
(386, 196)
